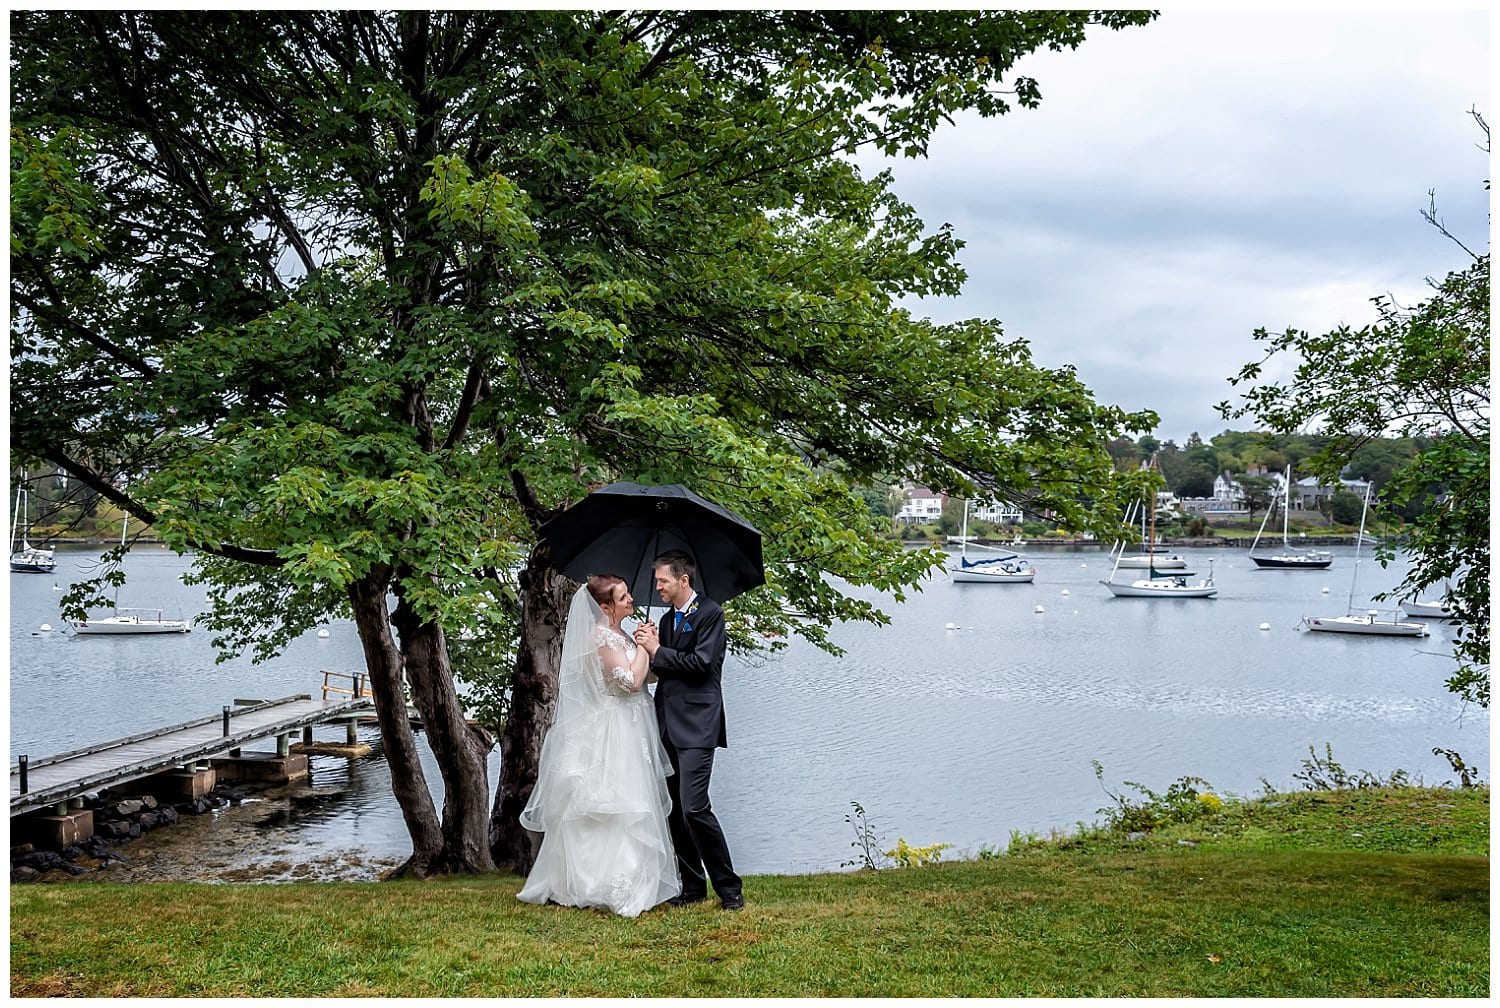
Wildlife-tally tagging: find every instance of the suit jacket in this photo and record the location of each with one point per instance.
(688, 667)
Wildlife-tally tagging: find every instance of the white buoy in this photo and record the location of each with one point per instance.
(1325, 591)
(1265, 626)
(46, 626)
(1040, 609)
(1084, 566)
(1065, 591)
(323, 632)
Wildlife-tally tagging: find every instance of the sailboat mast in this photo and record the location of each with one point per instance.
(123, 526)
(15, 522)
(1358, 544)
(963, 533)
(1151, 542)
(1286, 507)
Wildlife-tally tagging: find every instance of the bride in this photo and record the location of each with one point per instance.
(601, 793)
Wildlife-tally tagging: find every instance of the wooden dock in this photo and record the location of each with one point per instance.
(54, 780)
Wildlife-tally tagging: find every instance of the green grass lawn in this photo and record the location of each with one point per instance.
(1369, 893)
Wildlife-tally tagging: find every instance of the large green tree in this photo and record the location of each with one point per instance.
(348, 303)
(1422, 372)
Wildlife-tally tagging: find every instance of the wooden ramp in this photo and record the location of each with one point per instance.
(55, 779)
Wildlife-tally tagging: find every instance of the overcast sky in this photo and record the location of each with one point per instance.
(1186, 182)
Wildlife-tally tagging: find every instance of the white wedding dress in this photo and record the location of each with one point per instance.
(601, 794)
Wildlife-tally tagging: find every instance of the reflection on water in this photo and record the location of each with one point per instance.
(956, 736)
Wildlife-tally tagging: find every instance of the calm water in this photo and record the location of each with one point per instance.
(957, 736)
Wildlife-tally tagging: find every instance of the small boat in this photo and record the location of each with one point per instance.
(132, 621)
(1371, 623)
(1174, 586)
(127, 620)
(1429, 608)
(1288, 559)
(1158, 557)
(28, 559)
(1008, 568)
(996, 570)
(1368, 623)
(32, 560)
(1157, 583)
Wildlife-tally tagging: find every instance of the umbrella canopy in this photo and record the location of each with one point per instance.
(621, 528)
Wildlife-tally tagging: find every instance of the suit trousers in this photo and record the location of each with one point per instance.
(702, 853)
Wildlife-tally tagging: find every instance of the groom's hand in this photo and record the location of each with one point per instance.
(647, 637)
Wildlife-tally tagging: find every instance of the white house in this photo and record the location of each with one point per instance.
(1228, 488)
(921, 505)
(998, 512)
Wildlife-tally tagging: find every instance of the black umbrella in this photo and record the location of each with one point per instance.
(621, 528)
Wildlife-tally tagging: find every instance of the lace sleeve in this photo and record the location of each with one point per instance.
(615, 654)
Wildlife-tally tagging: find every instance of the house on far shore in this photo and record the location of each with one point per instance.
(921, 505)
(998, 512)
(1308, 494)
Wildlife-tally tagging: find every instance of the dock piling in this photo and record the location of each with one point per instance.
(25, 784)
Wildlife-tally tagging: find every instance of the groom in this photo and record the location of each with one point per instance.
(687, 655)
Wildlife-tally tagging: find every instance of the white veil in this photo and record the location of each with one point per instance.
(567, 773)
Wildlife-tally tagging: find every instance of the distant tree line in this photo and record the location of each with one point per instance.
(1190, 470)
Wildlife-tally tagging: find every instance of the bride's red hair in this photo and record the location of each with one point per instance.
(602, 587)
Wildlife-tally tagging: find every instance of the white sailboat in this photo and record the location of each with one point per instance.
(1157, 584)
(1159, 558)
(1152, 556)
(1288, 559)
(1007, 568)
(1429, 608)
(131, 621)
(28, 559)
(1368, 623)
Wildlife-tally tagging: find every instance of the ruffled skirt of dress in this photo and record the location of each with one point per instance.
(601, 802)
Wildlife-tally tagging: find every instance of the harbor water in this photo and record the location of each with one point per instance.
(976, 713)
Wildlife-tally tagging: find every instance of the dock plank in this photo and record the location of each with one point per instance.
(56, 779)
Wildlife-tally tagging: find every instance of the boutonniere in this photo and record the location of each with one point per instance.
(687, 616)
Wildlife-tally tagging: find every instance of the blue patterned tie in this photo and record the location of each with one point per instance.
(677, 621)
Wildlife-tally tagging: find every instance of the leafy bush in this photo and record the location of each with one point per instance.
(1323, 773)
(1188, 799)
(915, 857)
(867, 844)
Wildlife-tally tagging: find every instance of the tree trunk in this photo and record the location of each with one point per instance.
(384, 664)
(545, 597)
(461, 750)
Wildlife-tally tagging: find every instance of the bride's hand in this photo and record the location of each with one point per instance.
(646, 637)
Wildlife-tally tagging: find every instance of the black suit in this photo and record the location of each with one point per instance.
(690, 711)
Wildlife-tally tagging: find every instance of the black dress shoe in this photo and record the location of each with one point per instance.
(733, 903)
(681, 901)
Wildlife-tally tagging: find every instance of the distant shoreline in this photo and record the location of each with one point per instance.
(1215, 542)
